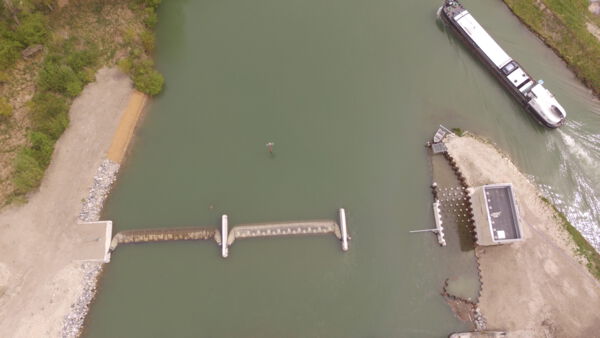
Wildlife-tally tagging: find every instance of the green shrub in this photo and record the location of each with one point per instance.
(5, 109)
(151, 19)
(147, 41)
(46, 104)
(50, 114)
(150, 83)
(129, 35)
(87, 75)
(125, 65)
(5, 31)
(147, 79)
(33, 29)
(150, 3)
(73, 88)
(60, 79)
(28, 173)
(66, 68)
(458, 131)
(78, 60)
(136, 53)
(10, 52)
(53, 126)
(41, 148)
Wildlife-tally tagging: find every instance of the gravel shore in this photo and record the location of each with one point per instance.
(90, 212)
(103, 181)
(73, 322)
(44, 290)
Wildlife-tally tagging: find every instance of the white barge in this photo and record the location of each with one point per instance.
(531, 94)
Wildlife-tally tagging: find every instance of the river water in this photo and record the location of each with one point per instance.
(348, 91)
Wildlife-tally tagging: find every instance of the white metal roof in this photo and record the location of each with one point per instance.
(483, 40)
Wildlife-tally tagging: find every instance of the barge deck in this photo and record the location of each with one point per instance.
(531, 94)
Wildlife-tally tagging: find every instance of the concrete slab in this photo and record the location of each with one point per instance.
(94, 241)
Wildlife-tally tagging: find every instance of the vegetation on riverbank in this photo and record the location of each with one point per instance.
(48, 53)
(563, 25)
(584, 248)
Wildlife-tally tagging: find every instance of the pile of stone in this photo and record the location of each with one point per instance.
(105, 177)
(480, 322)
(74, 320)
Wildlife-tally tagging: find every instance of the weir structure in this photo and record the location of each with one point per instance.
(164, 235)
(225, 237)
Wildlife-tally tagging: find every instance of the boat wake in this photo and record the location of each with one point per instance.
(579, 151)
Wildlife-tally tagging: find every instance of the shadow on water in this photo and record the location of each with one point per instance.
(465, 236)
(463, 282)
(454, 225)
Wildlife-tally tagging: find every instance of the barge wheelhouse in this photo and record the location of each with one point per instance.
(531, 94)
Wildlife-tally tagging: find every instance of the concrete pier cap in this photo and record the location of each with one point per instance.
(224, 234)
(344, 229)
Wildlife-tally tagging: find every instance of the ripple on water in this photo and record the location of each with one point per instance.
(579, 151)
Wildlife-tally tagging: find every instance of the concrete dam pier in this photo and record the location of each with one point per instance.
(225, 237)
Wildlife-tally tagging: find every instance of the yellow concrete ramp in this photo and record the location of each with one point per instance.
(124, 132)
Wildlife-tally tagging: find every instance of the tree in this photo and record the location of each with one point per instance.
(149, 82)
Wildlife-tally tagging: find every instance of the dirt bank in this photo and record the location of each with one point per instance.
(39, 276)
(538, 287)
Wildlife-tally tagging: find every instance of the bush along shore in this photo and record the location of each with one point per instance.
(48, 54)
(566, 27)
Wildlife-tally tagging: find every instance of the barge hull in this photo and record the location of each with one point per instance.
(495, 69)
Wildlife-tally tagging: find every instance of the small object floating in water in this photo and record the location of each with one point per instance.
(270, 147)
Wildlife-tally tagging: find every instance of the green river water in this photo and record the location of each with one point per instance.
(348, 91)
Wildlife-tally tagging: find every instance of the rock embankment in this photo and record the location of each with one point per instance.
(74, 320)
(103, 181)
(90, 212)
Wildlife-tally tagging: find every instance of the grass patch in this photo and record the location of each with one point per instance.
(584, 248)
(561, 24)
(459, 132)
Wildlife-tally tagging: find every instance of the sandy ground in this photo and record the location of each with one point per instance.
(39, 241)
(124, 133)
(536, 287)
